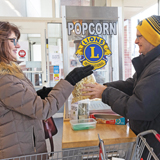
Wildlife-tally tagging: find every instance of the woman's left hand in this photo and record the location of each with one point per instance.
(93, 90)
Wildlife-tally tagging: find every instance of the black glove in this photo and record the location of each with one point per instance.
(44, 92)
(79, 73)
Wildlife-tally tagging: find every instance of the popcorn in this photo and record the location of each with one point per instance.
(77, 94)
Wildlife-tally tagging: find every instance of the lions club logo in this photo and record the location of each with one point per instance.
(93, 50)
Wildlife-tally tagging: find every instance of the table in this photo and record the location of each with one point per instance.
(110, 134)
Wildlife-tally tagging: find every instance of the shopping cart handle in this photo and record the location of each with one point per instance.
(150, 131)
(102, 151)
(158, 137)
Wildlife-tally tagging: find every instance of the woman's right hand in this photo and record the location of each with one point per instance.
(79, 73)
(93, 90)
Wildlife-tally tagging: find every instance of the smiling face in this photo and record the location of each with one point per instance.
(13, 46)
(144, 45)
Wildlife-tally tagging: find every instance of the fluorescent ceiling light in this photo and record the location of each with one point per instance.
(13, 8)
(10, 4)
(17, 12)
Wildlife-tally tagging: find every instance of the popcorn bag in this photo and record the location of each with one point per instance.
(77, 94)
(80, 104)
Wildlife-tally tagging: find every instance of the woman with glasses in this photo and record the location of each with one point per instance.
(21, 109)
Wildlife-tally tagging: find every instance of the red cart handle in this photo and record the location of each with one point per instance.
(158, 137)
(150, 131)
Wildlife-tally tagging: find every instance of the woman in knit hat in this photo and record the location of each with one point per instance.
(138, 98)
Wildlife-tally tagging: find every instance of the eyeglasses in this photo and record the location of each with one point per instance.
(138, 36)
(13, 40)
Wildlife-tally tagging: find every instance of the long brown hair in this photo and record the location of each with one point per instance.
(5, 30)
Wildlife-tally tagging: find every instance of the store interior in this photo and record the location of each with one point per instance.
(41, 25)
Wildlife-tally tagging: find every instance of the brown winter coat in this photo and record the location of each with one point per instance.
(21, 112)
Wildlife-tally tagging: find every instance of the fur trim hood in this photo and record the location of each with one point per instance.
(12, 69)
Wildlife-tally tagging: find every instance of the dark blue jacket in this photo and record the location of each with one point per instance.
(138, 98)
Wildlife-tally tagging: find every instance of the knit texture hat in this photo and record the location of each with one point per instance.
(150, 29)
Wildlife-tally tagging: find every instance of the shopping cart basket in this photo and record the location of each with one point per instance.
(127, 151)
(141, 145)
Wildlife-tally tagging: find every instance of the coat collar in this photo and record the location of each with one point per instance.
(142, 61)
(12, 69)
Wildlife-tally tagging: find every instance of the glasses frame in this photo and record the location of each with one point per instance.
(15, 41)
(138, 36)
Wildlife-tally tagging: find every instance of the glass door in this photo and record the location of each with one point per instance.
(55, 53)
(33, 52)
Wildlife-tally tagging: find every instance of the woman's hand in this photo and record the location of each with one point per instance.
(79, 73)
(93, 90)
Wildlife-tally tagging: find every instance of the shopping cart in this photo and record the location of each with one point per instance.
(127, 151)
(141, 145)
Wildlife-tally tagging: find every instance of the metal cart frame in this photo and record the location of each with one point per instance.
(127, 151)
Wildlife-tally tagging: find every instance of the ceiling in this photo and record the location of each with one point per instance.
(131, 7)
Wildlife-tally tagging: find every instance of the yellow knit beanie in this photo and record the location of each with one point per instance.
(150, 29)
